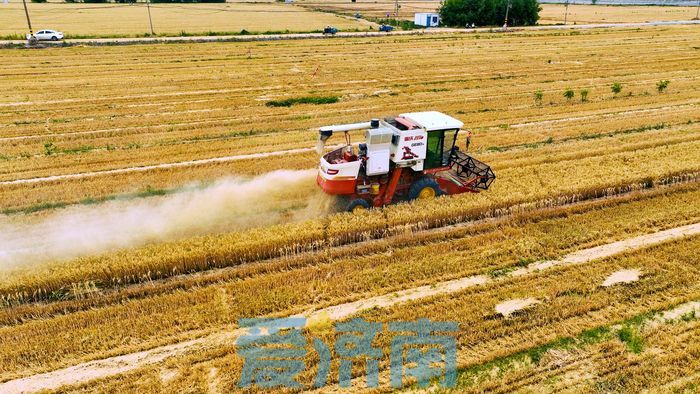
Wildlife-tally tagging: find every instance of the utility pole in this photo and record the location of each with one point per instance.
(697, 14)
(31, 41)
(505, 22)
(566, 12)
(150, 21)
(396, 9)
(26, 12)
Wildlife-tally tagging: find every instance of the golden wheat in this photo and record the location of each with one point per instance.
(37, 345)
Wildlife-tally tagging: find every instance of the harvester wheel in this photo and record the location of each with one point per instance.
(423, 189)
(358, 205)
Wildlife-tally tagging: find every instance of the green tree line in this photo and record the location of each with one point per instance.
(460, 13)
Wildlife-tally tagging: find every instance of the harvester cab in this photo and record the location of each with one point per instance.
(411, 156)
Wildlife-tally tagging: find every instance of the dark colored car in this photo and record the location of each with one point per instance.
(329, 30)
(386, 28)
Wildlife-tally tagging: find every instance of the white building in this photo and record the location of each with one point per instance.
(427, 19)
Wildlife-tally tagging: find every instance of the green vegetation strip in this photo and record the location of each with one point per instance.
(303, 100)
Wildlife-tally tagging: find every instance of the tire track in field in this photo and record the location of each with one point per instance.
(112, 366)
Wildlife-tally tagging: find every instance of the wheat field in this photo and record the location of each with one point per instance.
(129, 20)
(151, 197)
(234, 17)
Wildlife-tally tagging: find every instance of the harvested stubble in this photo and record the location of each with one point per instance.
(598, 359)
(576, 317)
(572, 302)
(285, 288)
(209, 100)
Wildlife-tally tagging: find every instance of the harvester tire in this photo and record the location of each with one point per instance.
(423, 189)
(357, 205)
(339, 204)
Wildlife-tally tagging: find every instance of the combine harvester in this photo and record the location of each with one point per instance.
(412, 156)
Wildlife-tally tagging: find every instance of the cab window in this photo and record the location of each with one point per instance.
(439, 148)
(449, 143)
(433, 156)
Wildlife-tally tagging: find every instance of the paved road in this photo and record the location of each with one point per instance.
(301, 36)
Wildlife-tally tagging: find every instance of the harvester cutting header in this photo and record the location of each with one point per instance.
(410, 156)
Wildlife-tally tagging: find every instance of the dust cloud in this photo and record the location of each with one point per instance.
(226, 205)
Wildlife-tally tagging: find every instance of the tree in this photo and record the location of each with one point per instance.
(459, 13)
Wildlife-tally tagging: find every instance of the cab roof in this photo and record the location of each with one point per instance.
(433, 120)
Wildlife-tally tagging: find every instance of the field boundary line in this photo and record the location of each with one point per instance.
(112, 366)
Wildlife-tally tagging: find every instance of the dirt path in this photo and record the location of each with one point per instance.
(121, 364)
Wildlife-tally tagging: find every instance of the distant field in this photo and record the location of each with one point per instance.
(581, 14)
(125, 20)
(550, 14)
(168, 19)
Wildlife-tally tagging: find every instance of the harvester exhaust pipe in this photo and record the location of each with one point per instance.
(325, 132)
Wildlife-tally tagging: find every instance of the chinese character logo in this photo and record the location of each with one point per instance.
(274, 351)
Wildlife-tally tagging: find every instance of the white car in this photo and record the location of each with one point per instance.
(47, 35)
